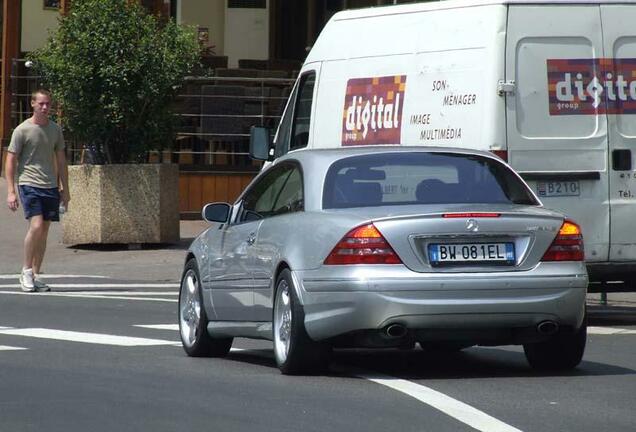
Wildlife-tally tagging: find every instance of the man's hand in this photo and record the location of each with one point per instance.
(12, 201)
(65, 197)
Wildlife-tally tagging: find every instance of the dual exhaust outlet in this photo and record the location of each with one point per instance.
(396, 331)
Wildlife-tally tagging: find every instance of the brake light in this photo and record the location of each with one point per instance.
(471, 215)
(363, 245)
(503, 154)
(568, 244)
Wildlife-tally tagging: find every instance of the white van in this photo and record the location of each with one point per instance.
(548, 85)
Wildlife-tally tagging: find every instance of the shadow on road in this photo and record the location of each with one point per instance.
(421, 365)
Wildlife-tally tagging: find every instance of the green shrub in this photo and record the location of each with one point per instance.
(115, 71)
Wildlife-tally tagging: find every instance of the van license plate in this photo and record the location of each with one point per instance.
(559, 188)
(496, 253)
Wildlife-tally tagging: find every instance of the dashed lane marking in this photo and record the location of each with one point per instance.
(609, 331)
(54, 276)
(135, 296)
(104, 285)
(11, 348)
(174, 327)
(452, 407)
(84, 337)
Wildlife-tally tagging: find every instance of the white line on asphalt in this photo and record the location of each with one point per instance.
(10, 348)
(86, 295)
(609, 331)
(92, 338)
(104, 285)
(174, 327)
(54, 276)
(458, 410)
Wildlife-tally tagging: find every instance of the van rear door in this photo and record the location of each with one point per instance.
(556, 127)
(619, 39)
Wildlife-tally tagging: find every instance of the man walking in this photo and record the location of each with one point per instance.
(37, 152)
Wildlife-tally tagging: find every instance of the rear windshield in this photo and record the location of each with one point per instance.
(404, 178)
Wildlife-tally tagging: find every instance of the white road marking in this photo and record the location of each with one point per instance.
(10, 348)
(174, 327)
(609, 331)
(84, 337)
(87, 295)
(458, 410)
(54, 276)
(104, 285)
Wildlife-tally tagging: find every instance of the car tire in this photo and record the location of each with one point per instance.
(295, 352)
(563, 351)
(193, 320)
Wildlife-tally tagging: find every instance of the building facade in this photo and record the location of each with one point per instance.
(252, 50)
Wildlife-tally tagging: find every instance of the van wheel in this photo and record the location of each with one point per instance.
(193, 321)
(561, 352)
(294, 350)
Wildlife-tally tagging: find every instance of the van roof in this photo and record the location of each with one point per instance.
(453, 4)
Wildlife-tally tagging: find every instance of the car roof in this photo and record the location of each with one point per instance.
(330, 155)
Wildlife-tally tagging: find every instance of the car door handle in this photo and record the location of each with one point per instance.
(251, 239)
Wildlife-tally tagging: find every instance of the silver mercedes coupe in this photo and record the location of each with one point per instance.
(386, 247)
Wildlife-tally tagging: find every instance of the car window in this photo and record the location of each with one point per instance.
(302, 113)
(290, 198)
(278, 191)
(403, 178)
(281, 146)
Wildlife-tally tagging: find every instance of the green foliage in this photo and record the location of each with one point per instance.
(115, 70)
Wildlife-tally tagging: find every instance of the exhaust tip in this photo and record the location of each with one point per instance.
(547, 327)
(395, 331)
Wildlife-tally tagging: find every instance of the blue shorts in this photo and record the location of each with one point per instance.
(39, 201)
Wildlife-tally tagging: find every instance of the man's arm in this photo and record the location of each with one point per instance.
(62, 172)
(10, 167)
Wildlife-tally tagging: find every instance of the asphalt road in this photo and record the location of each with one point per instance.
(104, 355)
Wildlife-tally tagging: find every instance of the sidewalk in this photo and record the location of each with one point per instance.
(162, 263)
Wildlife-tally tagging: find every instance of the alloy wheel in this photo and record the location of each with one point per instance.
(189, 308)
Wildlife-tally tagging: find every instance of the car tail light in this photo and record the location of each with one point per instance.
(363, 245)
(503, 154)
(568, 244)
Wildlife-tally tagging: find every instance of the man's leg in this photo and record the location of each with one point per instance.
(38, 255)
(33, 240)
(31, 246)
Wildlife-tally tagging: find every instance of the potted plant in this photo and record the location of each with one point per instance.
(115, 70)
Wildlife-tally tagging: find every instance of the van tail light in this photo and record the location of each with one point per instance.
(363, 245)
(568, 244)
(503, 154)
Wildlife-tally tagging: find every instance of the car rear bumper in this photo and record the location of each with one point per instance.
(339, 305)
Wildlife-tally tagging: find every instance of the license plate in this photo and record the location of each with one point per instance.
(559, 188)
(449, 253)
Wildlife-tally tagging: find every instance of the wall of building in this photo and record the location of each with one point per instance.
(37, 22)
(205, 13)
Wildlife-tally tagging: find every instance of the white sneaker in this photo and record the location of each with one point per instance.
(40, 286)
(26, 280)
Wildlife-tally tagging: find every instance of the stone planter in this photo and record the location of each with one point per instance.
(122, 204)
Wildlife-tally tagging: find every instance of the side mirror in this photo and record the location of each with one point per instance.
(216, 212)
(260, 143)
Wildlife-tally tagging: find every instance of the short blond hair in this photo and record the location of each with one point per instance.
(40, 91)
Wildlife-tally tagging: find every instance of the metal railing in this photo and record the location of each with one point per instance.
(213, 113)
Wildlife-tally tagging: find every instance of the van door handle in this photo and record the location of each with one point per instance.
(622, 160)
(251, 239)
